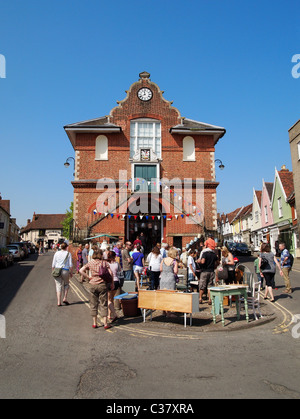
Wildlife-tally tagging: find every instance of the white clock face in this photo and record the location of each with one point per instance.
(144, 94)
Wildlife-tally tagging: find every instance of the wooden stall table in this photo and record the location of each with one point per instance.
(222, 291)
(167, 300)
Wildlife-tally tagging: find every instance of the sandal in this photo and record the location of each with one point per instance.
(107, 326)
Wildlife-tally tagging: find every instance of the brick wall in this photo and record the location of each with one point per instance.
(172, 164)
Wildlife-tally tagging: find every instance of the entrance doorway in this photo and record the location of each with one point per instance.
(150, 225)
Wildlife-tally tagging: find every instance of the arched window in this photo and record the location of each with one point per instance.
(188, 149)
(101, 148)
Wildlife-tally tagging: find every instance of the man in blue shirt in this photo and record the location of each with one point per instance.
(286, 266)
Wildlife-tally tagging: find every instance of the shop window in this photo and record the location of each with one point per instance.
(188, 149)
(101, 148)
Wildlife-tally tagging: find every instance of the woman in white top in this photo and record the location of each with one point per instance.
(63, 259)
(191, 267)
(154, 260)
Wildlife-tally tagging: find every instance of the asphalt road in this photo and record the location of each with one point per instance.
(53, 352)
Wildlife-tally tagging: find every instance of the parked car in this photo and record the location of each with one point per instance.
(241, 249)
(16, 251)
(6, 257)
(23, 247)
(230, 245)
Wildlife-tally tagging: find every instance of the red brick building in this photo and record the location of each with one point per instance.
(159, 170)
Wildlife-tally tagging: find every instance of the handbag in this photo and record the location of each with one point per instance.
(222, 272)
(57, 271)
(264, 263)
(104, 273)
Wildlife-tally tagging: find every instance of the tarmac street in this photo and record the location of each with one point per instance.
(53, 352)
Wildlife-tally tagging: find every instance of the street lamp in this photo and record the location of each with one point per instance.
(221, 165)
(67, 164)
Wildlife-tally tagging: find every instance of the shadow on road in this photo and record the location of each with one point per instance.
(12, 278)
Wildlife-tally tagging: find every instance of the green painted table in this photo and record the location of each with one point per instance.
(226, 290)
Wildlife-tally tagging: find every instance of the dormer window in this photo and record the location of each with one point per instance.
(145, 134)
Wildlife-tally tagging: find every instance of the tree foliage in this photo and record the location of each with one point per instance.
(67, 222)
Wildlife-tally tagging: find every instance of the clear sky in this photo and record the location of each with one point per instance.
(224, 62)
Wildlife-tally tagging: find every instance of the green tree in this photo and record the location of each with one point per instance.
(67, 222)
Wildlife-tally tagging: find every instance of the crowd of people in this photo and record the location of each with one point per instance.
(106, 269)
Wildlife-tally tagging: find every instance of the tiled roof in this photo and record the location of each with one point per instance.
(258, 195)
(287, 181)
(231, 216)
(269, 188)
(246, 210)
(44, 221)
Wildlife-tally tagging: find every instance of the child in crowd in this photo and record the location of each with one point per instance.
(256, 268)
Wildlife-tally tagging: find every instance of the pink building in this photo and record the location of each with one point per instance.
(266, 212)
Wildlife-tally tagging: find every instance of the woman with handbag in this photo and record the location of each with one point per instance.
(97, 286)
(62, 263)
(169, 271)
(226, 270)
(267, 267)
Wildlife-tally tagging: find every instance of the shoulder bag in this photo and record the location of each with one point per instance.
(57, 271)
(104, 273)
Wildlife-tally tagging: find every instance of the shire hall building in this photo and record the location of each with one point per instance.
(144, 168)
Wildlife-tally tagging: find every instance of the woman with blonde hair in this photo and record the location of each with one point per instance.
(227, 262)
(169, 270)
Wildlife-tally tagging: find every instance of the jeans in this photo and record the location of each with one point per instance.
(128, 275)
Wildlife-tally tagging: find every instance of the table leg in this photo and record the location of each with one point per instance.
(246, 306)
(184, 319)
(213, 308)
(144, 315)
(222, 310)
(191, 319)
(237, 306)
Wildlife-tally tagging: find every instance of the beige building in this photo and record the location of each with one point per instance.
(294, 135)
(44, 228)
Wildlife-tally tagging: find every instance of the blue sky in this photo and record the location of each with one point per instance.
(226, 63)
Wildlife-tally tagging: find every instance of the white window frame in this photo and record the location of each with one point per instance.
(101, 142)
(134, 138)
(188, 142)
(266, 214)
(298, 150)
(280, 212)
